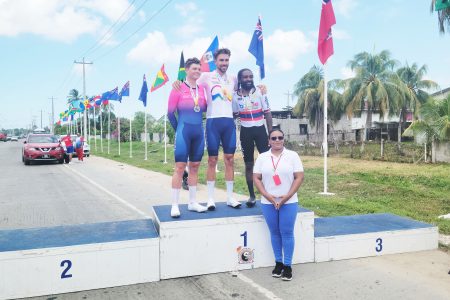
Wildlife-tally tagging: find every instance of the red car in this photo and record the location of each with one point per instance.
(42, 147)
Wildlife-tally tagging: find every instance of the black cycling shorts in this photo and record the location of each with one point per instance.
(249, 137)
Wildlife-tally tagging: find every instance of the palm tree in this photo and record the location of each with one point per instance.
(374, 87)
(434, 123)
(74, 95)
(309, 90)
(443, 17)
(413, 92)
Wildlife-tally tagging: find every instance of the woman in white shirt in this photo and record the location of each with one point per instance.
(278, 174)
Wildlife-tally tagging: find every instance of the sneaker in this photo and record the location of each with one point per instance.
(185, 185)
(196, 207)
(211, 205)
(175, 211)
(276, 272)
(251, 202)
(233, 203)
(286, 275)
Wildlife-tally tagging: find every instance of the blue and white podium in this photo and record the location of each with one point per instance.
(44, 261)
(356, 236)
(226, 239)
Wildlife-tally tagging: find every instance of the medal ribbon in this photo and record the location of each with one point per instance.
(275, 165)
(194, 96)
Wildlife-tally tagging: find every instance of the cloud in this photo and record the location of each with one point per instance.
(193, 19)
(347, 73)
(283, 47)
(341, 34)
(186, 8)
(345, 7)
(57, 20)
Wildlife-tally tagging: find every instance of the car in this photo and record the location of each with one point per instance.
(14, 138)
(42, 147)
(86, 147)
(3, 137)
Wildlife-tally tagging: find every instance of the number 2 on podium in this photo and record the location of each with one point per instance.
(245, 238)
(69, 265)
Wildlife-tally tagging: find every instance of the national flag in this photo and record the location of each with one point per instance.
(114, 94)
(125, 91)
(207, 62)
(441, 4)
(97, 100)
(144, 91)
(160, 80)
(257, 48)
(181, 69)
(325, 42)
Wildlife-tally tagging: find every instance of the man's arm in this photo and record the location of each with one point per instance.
(268, 116)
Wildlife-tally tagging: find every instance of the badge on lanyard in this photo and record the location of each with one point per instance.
(276, 178)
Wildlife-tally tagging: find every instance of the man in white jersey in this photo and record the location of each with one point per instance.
(252, 108)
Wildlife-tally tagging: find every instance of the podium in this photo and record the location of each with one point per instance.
(356, 236)
(43, 261)
(226, 239)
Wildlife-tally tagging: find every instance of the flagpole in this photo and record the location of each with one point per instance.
(109, 124)
(145, 132)
(88, 125)
(118, 130)
(131, 141)
(101, 127)
(165, 138)
(95, 128)
(325, 133)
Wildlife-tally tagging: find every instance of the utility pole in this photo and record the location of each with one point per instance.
(288, 94)
(84, 94)
(41, 118)
(53, 115)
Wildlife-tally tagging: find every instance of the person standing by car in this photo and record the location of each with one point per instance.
(79, 143)
(69, 146)
(278, 174)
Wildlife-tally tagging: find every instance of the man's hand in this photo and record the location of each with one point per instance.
(177, 85)
(262, 88)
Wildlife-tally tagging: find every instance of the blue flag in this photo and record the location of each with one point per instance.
(125, 91)
(257, 48)
(144, 91)
(207, 62)
(114, 94)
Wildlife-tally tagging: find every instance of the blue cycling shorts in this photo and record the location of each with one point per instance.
(189, 142)
(220, 131)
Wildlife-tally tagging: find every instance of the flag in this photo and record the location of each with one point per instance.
(207, 61)
(125, 91)
(114, 95)
(181, 69)
(441, 4)
(325, 42)
(144, 91)
(160, 80)
(97, 100)
(257, 48)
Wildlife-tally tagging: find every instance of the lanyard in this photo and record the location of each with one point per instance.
(275, 165)
(194, 95)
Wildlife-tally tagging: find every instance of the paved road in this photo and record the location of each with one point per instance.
(103, 190)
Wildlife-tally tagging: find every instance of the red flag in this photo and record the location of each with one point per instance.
(325, 43)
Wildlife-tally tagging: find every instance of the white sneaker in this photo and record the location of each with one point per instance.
(196, 207)
(211, 205)
(233, 203)
(175, 211)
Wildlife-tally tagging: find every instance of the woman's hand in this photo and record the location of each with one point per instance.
(271, 199)
(283, 200)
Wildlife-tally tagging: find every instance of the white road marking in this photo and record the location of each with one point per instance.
(261, 289)
(124, 202)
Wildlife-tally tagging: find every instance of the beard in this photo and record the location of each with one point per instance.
(247, 85)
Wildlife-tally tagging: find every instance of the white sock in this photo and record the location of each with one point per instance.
(229, 189)
(192, 194)
(210, 185)
(175, 196)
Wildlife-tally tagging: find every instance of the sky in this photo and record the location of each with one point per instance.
(41, 39)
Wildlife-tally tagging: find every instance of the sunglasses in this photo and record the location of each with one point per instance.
(280, 138)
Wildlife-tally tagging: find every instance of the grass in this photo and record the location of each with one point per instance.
(418, 191)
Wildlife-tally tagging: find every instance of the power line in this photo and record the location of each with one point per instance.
(97, 44)
(130, 36)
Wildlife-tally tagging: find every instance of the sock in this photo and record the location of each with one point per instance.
(251, 190)
(192, 194)
(210, 185)
(175, 196)
(229, 189)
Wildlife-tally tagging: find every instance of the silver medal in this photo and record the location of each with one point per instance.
(196, 108)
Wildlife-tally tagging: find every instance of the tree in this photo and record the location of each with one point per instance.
(443, 17)
(374, 87)
(434, 122)
(74, 95)
(310, 92)
(413, 93)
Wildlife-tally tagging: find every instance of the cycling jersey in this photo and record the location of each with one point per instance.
(251, 108)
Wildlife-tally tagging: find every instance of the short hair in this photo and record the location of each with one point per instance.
(191, 61)
(222, 51)
(275, 129)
